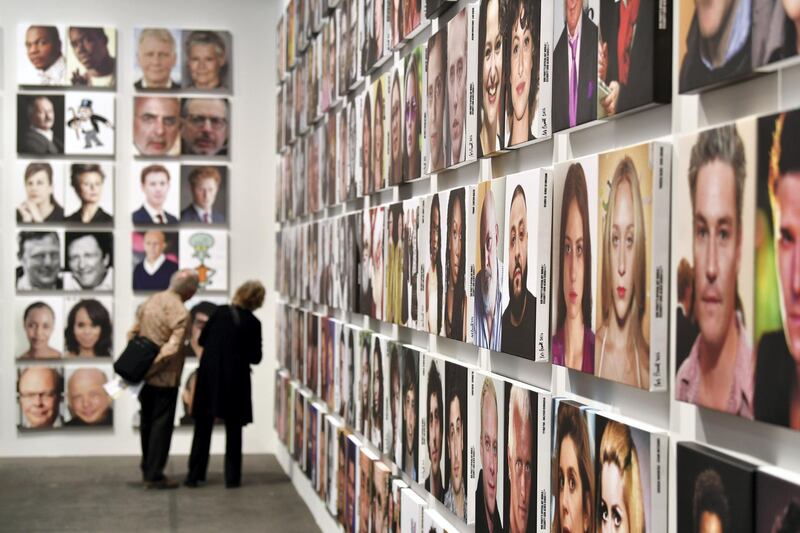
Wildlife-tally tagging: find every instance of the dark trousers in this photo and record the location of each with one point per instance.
(157, 420)
(201, 445)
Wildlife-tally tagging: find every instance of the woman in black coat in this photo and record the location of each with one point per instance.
(231, 341)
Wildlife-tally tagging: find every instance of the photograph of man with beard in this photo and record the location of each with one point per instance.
(488, 281)
(410, 412)
(457, 66)
(491, 76)
(455, 300)
(412, 156)
(455, 499)
(520, 472)
(522, 97)
(396, 127)
(434, 413)
(436, 79)
(574, 66)
(519, 317)
(490, 453)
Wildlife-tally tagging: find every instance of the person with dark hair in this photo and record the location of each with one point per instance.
(377, 394)
(410, 395)
(491, 76)
(777, 388)
(434, 275)
(394, 264)
(522, 58)
(573, 342)
(198, 316)
(364, 386)
(413, 119)
(205, 126)
(39, 255)
(710, 508)
(39, 389)
(205, 183)
(789, 519)
(573, 473)
(519, 317)
(206, 60)
(575, 69)
(87, 180)
(89, 259)
(396, 132)
(156, 126)
(38, 320)
(455, 499)
(43, 47)
(437, 100)
(366, 147)
(686, 326)
(39, 136)
(231, 342)
(411, 15)
(88, 402)
(155, 183)
(90, 46)
(40, 204)
(455, 304)
(378, 174)
(88, 331)
(395, 399)
(435, 407)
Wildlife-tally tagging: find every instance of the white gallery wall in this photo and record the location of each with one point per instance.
(251, 211)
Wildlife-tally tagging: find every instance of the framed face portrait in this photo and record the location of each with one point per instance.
(573, 486)
(413, 113)
(574, 271)
(39, 328)
(432, 424)
(311, 377)
(432, 282)
(92, 56)
(155, 189)
(158, 59)
(489, 252)
(315, 200)
(88, 404)
(379, 367)
(183, 414)
(455, 435)
(40, 59)
(89, 258)
(714, 490)
(207, 60)
(380, 135)
(280, 46)
(377, 262)
(491, 108)
(487, 437)
(291, 37)
(414, 19)
(155, 259)
(366, 461)
(396, 291)
(204, 194)
(394, 85)
(39, 263)
(39, 192)
(363, 384)
(40, 124)
(436, 95)
(89, 124)
(157, 126)
(206, 126)
(363, 103)
(458, 227)
(39, 395)
(462, 78)
(206, 252)
(408, 233)
(341, 157)
(89, 193)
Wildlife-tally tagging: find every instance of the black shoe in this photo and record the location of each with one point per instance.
(191, 483)
(233, 484)
(161, 484)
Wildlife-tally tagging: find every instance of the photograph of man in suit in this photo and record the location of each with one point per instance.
(575, 69)
(37, 133)
(204, 183)
(155, 186)
(156, 57)
(155, 269)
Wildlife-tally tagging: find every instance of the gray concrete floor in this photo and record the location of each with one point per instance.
(106, 494)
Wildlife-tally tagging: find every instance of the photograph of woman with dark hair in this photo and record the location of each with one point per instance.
(624, 353)
(88, 331)
(363, 417)
(573, 342)
(366, 146)
(39, 320)
(491, 76)
(621, 502)
(377, 393)
(377, 136)
(352, 151)
(410, 412)
(87, 181)
(522, 56)
(572, 473)
(433, 278)
(40, 204)
(396, 130)
(413, 116)
(455, 317)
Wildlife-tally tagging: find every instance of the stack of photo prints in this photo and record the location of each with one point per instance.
(582, 263)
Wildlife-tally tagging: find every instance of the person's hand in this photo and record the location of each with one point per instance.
(609, 103)
(79, 80)
(25, 213)
(602, 60)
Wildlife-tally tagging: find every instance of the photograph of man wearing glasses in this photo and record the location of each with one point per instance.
(205, 126)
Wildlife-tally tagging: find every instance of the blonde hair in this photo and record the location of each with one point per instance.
(488, 388)
(249, 295)
(617, 449)
(160, 34)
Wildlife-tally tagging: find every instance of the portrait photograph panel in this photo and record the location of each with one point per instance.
(40, 124)
(155, 259)
(438, 141)
(396, 286)
(413, 113)
(411, 409)
(40, 394)
(380, 135)
(207, 60)
(206, 252)
(158, 59)
(206, 126)
(89, 127)
(377, 258)
(492, 89)
(156, 126)
(89, 193)
(204, 194)
(89, 257)
(92, 56)
(39, 192)
(457, 231)
(432, 419)
(155, 189)
(489, 252)
(394, 84)
(40, 56)
(39, 260)
(456, 430)
(88, 404)
(38, 328)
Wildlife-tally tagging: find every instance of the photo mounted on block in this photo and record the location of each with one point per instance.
(487, 437)
(396, 284)
(413, 113)
(281, 39)
(39, 192)
(301, 405)
(328, 153)
(156, 186)
(394, 23)
(183, 414)
(89, 194)
(89, 124)
(343, 54)
(301, 21)
(312, 435)
(40, 59)
(156, 126)
(40, 124)
(437, 141)
(412, 508)
(311, 376)
(777, 500)
(314, 201)
(88, 404)
(89, 257)
(633, 222)
(393, 417)
(379, 134)
(777, 335)
(635, 56)
(572, 493)
(40, 392)
(334, 477)
(716, 492)
(375, 50)
(366, 461)
(157, 65)
(456, 430)
(457, 298)
(346, 358)
(291, 34)
(715, 43)
(575, 63)
(39, 260)
(491, 78)
(395, 504)
(206, 126)
(414, 19)
(311, 78)
(207, 60)
(38, 328)
(528, 224)
(462, 79)
(363, 385)
(435, 8)
(412, 280)
(395, 87)
(490, 265)
(381, 494)
(714, 247)
(204, 194)
(376, 272)
(379, 357)
(155, 259)
(92, 56)
(355, 30)
(432, 382)
(574, 273)
(329, 94)
(412, 397)
(431, 269)
(528, 34)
